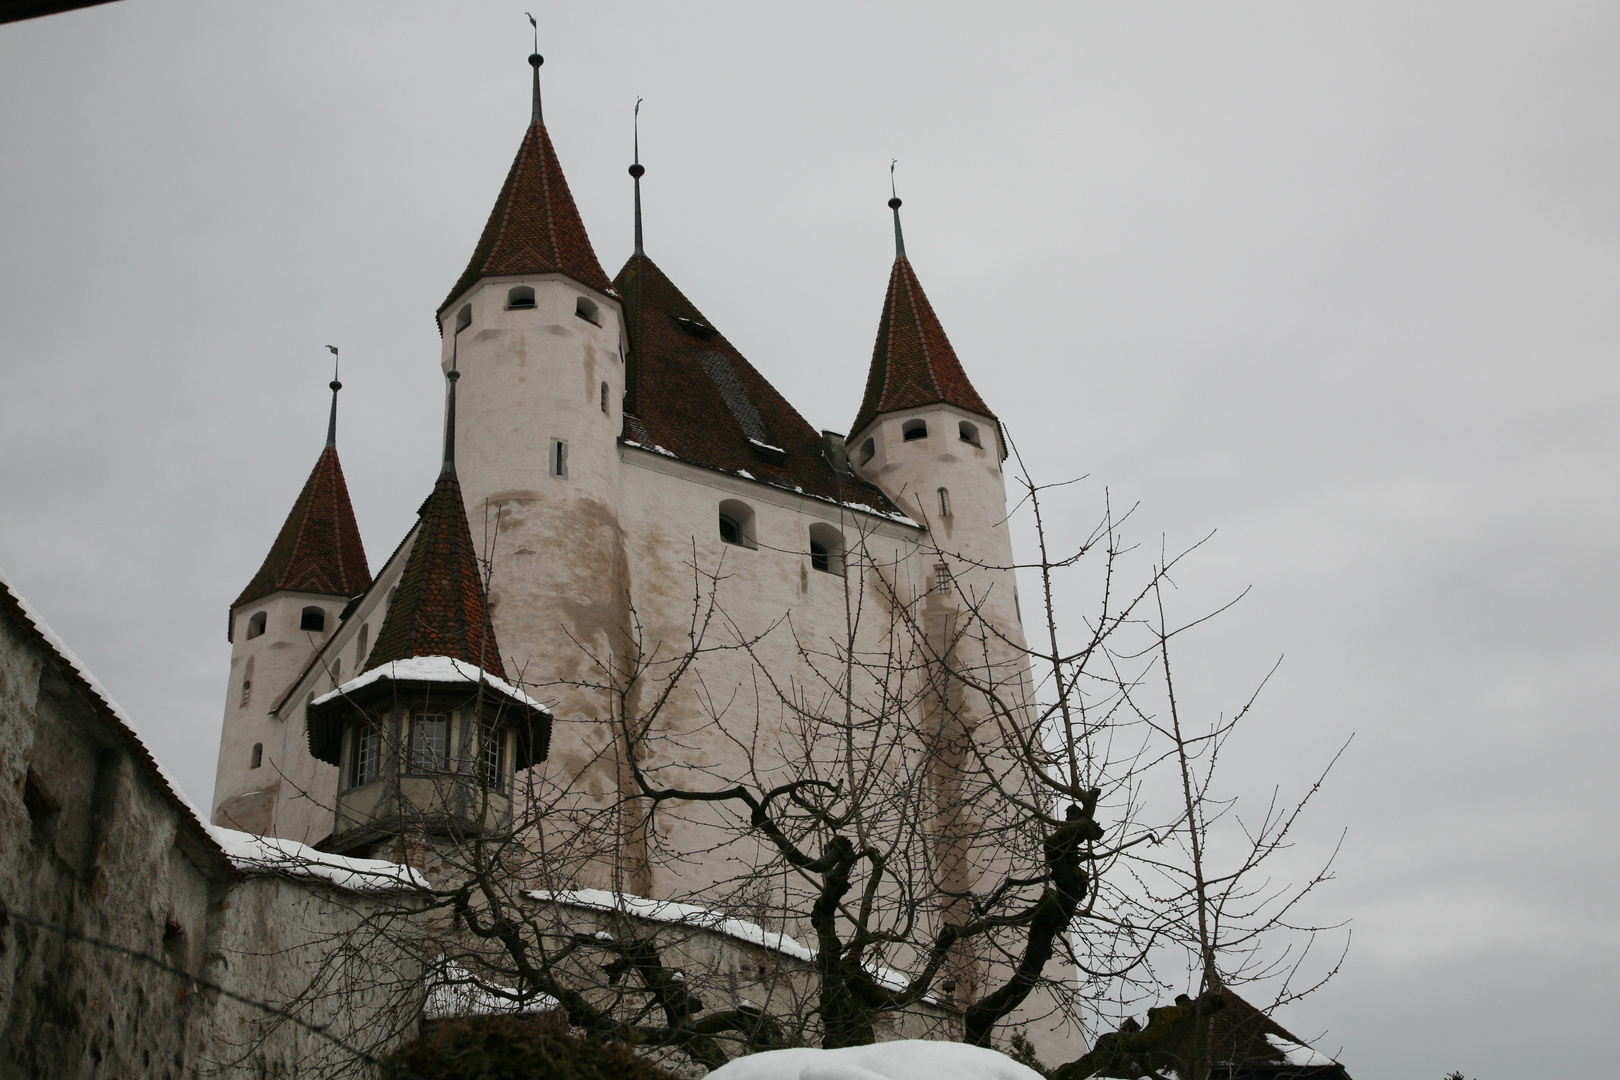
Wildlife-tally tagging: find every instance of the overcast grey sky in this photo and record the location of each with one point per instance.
(1334, 279)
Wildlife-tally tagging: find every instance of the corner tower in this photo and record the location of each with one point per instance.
(536, 330)
(278, 623)
(926, 437)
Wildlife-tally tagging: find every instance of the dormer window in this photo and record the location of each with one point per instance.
(969, 433)
(701, 331)
(913, 430)
(463, 318)
(586, 309)
(256, 624)
(520, 297)
(312, 619)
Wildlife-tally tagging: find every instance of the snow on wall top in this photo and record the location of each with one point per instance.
(244, 852)
(903, 1059)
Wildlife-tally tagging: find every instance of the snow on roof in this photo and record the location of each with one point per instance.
(667, 911)
(272, 855)
(442, 669)
(455, 992)
(1298, 1053)
(903, 1059)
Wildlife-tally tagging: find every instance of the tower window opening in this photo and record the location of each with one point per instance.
(913, 430)
(558, 458)
(258, 756)
(463, 318)
(604, 399)
(312, 619)
(430, 742)
(737, 523)
(492, 752)
(360, 646)
(826, 548)
(247, 684)
(337, 674)
(256, 624)
(586, 309)
(969, 433)
(868, 450)
(519, 298)
(365, 757)
(942, 579)
(944, 502)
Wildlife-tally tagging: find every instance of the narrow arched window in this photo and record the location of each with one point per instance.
(605, 399)
(313, 619)
(558, 458)
(360, 646)
(521, 296)
(737, 523)
(826, 548)
(944, 503)
(256, 624)
(337, 674)
(247, 684)
(586, 310)
(912, 430)
(463, 318)
(969, 432)
(258, 756)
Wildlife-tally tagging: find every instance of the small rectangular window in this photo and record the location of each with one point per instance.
(366, 758)
(942, 579)
(559, 458)
(493, 753)
(430, 742)
(258, 755)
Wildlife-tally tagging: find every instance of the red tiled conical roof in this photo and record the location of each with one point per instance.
(913, 363)
(535, 227)
(440, 609)
(318, 549)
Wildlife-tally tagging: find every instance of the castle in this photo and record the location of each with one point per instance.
(605, 446)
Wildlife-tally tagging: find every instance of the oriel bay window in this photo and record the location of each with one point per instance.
(424, 756)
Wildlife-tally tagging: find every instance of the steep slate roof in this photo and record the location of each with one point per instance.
(318, 549)
(440, 608)
(535, 227)
(691, 393)
(913, 363)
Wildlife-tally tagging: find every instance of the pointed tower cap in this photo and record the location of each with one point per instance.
(534, 228)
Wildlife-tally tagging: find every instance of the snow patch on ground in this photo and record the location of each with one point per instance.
(443, 669)
(908, 1059)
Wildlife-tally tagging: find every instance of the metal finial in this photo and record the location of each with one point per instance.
(636, 171)
(894, 204)
(331, 423)
(535, 60)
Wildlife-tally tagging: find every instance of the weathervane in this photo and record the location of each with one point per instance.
(636, 171)
(331, 423)
(535, 60)
(894, 204)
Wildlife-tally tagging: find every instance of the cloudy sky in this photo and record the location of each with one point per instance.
(1335, 280)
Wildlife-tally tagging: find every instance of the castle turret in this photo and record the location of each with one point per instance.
(288, 610)
(428, 735)
(536, 330)
(926, 437)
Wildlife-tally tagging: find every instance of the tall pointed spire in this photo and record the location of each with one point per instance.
(637, 172)
(894, 204)
(441, 608)
(318, 549)
(331, 423)
(534, 227)
(913, 363)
